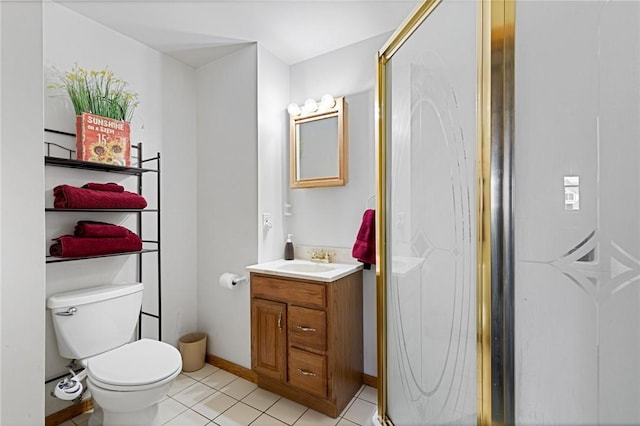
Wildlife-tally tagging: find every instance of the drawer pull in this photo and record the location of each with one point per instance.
(308, 329)
(306, 373)
(280, 322)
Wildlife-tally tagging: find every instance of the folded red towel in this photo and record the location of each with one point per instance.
(88, 228)
(71, 197)
(70, 246)
(109, 187)
(364, 249)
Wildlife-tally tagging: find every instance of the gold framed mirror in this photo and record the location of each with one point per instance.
(318, 147)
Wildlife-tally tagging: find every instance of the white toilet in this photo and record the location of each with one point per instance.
(127, 379)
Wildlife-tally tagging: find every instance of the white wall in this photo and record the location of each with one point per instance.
(273, 128)
(21, 221)
(331, 216)
(164, 122)
(227, 177)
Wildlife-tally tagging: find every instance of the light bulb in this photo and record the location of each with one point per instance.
(294, 109)
(310, 105)
(327, 102)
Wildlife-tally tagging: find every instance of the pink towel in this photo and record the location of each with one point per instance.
(364, 249)
(71, 197)
(70, 246)
(109, 187)
(88, 228)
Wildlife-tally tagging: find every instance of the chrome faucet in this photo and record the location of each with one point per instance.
(321, 255)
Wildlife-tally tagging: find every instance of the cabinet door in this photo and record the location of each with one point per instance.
(269, 338)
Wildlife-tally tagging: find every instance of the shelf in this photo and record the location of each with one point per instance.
(54, 259)
(51, 209)
(100, 167)
(137, 172)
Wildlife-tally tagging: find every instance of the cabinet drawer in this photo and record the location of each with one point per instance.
(307, 372)
(289, 291)
(307, 328)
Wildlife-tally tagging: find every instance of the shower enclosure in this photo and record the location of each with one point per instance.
(509, 214)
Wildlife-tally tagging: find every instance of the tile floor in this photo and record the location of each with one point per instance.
(211, 396)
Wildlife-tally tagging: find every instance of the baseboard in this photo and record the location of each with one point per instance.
(250, 375)
(370, 380)
(232, 367)
(68, 413)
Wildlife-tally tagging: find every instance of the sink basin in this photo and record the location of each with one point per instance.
(305, 267)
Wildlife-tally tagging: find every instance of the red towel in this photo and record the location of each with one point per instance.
(70, 246)
(109, 187)
(88, 228)
(71, 197)
(364, 249)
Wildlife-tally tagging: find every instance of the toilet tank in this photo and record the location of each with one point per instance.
(96, 319)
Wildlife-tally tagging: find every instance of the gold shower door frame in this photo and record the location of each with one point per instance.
(494, 121)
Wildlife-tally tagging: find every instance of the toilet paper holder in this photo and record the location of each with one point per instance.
(240, 279)
(230, 280)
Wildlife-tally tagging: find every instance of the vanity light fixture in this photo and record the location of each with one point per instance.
(310, 106)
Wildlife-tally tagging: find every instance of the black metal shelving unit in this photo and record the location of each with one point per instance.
(137, 171)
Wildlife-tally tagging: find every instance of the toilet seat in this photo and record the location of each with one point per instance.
(139, 365)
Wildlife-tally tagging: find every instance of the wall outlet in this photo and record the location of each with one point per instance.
(266, 221)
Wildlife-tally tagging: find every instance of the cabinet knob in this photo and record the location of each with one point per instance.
(307, 329)
(306, 373)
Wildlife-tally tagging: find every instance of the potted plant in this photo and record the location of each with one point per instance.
(104, 107)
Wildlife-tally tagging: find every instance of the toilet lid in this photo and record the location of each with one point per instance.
(139, 363)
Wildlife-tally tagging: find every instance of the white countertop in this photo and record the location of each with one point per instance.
(306, 269)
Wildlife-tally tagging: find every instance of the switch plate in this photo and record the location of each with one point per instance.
(572, 193)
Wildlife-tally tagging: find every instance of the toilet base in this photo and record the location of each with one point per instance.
(146, 417)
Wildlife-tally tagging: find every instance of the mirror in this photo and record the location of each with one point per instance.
(318, 147)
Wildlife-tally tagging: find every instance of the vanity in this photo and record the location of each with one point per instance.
(306, 331)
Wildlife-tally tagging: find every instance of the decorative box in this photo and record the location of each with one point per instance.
(103, 140)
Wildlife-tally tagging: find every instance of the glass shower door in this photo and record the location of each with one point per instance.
(431, 87)
(577, 165)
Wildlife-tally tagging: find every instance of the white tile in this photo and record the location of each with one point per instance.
(238, 415)
(82, 419)
(219, 379)
(313, 418)
(168, 409)
(286, 411)
(194, 394)
(214, 405)
(266, 420)
(205, 371)
(345, 422)
(67, 423)
(188, 418)
(239, 388)
(181, 383)
(261, 399)
(369, 394)
(360, 411)
(347, 407)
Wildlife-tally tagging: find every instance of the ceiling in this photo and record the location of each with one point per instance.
(198, 32)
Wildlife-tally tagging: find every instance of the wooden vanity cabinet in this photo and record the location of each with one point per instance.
(306, 339)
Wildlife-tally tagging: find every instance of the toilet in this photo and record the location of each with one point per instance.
(127, 380)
